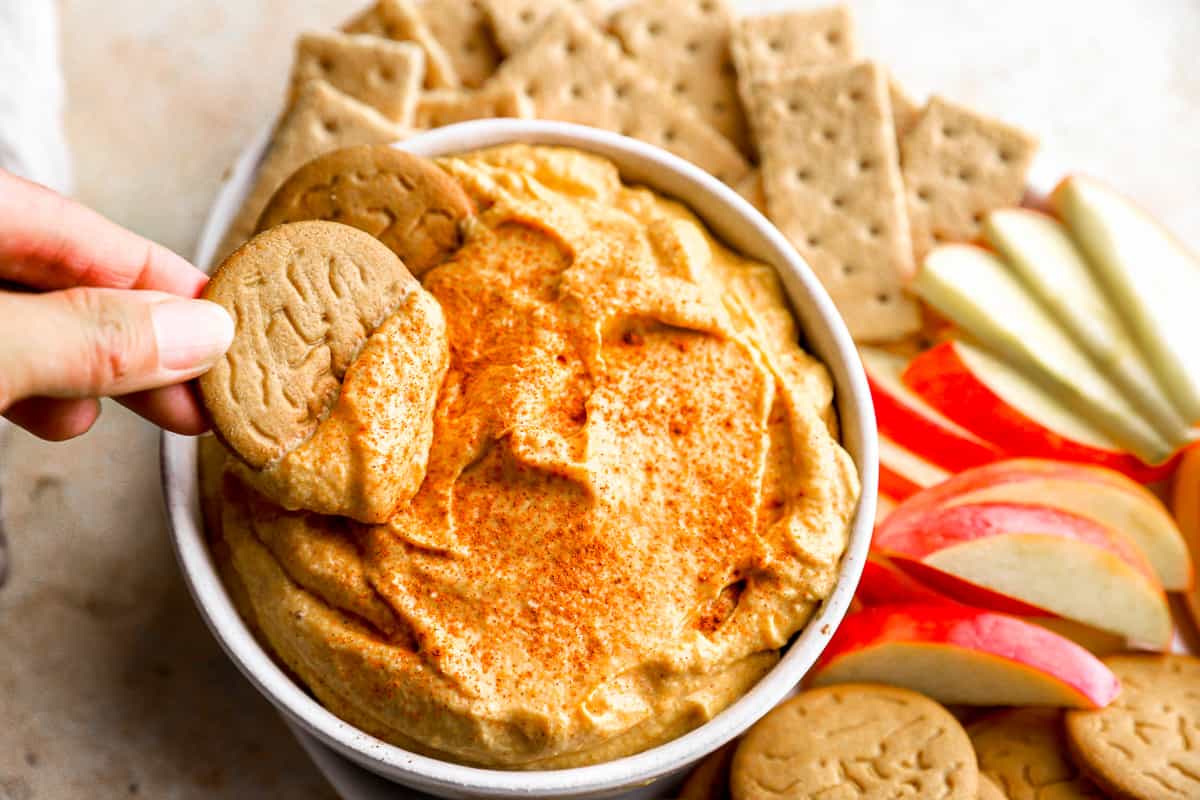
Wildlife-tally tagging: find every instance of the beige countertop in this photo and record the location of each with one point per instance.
(110, 686)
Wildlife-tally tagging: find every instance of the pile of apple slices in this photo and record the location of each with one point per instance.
(1077, 340)
(1000, 585)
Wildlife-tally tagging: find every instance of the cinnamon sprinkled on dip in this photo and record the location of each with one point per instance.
(634, 494)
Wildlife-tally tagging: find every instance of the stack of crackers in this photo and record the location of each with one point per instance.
(869, 740)
(861, 179)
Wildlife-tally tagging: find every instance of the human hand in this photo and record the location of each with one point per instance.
(89, 309)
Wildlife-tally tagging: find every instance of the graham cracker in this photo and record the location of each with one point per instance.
(905, 110)
(777, 46)
(321, 119)
(383, 74)
(685, 44)
(402, 21)
(832, 180)
(574, 73)
(959, 165)
(448, 106)
(514, 22)
(751, 188)
(461, 27)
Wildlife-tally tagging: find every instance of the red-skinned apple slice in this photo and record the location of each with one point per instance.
(884, 506)
(1051, 560)
(913, 424)
(882, 584)
(1099, 494)
(903, 473)
(998, 404)
(967, 656)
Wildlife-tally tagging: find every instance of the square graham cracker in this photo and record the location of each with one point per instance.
(685, 44)
(402, 21)
(776, 46)
(463, 30)
(514, 22)
(321, 119)
(574, 73)
(832, 179)
(383, 74)
(958, 166)
(448, 106)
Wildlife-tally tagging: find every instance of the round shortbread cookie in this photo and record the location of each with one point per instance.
(304, 298)
(856, 741)
(405, 201)
(1024, 751)
(1146, 744)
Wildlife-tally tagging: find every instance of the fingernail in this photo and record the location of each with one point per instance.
(191, 334)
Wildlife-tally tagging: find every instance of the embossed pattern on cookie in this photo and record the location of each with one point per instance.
(406, 202)
(1024, 751)
(1146, 744)
(304, 298)
(856, 741)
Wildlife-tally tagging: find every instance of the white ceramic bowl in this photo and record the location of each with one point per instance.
(740, 225)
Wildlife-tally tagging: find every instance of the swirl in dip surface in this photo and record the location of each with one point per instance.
(634, 495)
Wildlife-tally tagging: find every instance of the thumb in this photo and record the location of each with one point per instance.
(94, 342)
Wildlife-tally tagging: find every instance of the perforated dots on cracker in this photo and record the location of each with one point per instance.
(777, 46)
(383, 74)
(514, 22)
(574, 73)
(448, 106)
(401, 20)
(685, 43)
(320, 119)
(462, 29)
(959, 165)
(832, 182)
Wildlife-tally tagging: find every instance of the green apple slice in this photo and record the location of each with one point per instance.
(1155, 280)
(1041, 252)
(977, 290)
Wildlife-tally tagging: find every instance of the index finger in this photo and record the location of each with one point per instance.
(50, 242)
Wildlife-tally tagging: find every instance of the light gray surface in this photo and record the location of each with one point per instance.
(107, 676)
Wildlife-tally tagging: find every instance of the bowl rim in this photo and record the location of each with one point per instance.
(732, 218)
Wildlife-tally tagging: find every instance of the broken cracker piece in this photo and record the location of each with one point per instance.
(574, 73)
(448, 106)
(832, 179)
(463, 30)
(400, 20)
(514, 22)
(383, 74)
(685, 44)
(958, 166)
(321, 119)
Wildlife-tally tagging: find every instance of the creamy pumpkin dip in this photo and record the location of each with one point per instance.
(634, 493)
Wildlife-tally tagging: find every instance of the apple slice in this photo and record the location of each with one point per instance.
(978, 291)
(1097, 642)
(903, 473)
(883, 583)
(884, 505)
(1185, 505)
(966, 656)
(1051, 560)
(1153, 279)
(1102, 495)
(1041, 252)
(915, 425)
(995, 402)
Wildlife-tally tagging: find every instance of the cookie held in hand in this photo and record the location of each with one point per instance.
(327, 393)
(405, 201)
